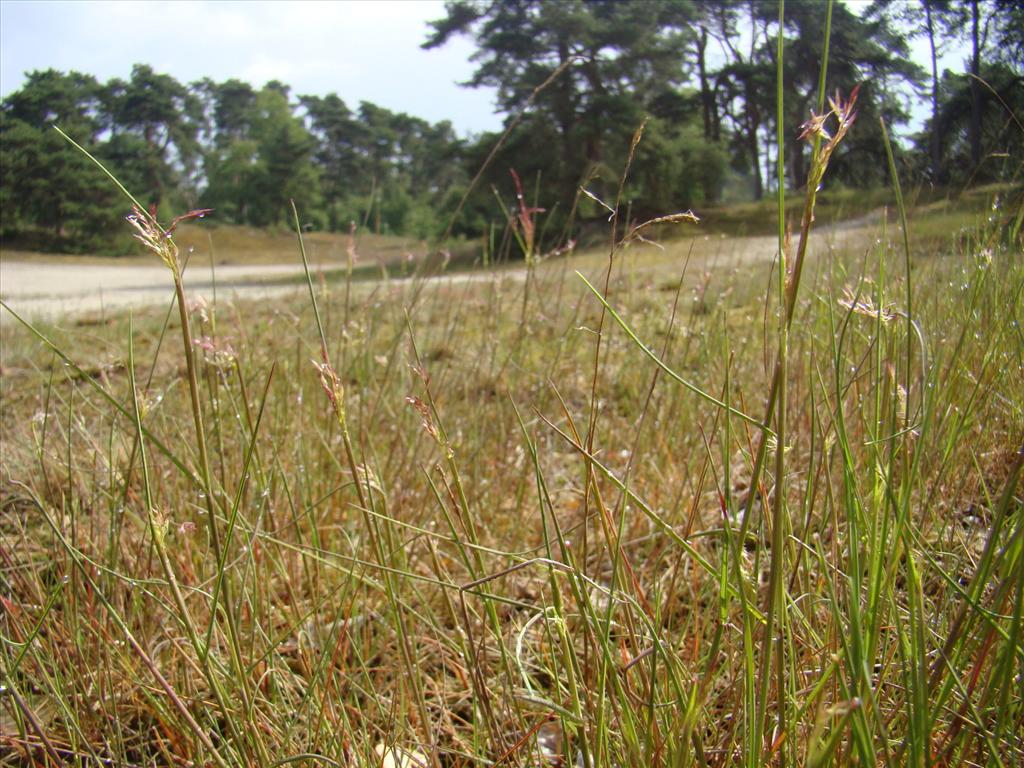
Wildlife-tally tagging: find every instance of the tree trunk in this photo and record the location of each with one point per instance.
(716, 118)
(755, 164)
(797, 172)
(705, 91)
(935, 148)
(594, 144)
(753, 121)
(565, 116)
(975, 128)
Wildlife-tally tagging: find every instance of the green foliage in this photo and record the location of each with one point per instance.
(675, 168)
(574, 79)
(864, 52)
(51, 196)
(606, 62)
(282, 168)
(1002, 137)
(165, 115)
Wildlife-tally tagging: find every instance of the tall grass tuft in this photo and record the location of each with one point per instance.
(514, 518)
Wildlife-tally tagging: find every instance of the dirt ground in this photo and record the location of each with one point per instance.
(40, 290)
(37, 290)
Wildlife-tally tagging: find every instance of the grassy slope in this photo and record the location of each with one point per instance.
(246, 245)
(621, 628)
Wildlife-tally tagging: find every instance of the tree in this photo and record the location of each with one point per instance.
(938, 21)
(234, 109)
(230, 176)
(1008, 19)
(48, 189)
(337, 135)
(975, 86)
(283, 168)
(1001, 141)
(861, 51)
(73, 101)
(261, 158)
(601, 61)
(743, 84)
(166, 116)
(1001, 20)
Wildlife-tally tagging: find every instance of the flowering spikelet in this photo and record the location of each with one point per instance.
(862, 305)
(814, 130)
(158, 240)
(428, 423)
(216, 353)
(160, 525)
(153, 237)
(525, 217)
(334, 389)
(350, 249)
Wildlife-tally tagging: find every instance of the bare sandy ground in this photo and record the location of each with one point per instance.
(46, 291)
(37, 290)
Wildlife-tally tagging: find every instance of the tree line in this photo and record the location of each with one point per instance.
(574, 81)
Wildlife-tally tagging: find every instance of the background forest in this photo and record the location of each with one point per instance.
(574, 81)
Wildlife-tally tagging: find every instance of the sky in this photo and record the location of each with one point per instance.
(363, 51)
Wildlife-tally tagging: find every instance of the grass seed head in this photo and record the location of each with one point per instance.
(863, 305)
(333, 388)
(157, 239)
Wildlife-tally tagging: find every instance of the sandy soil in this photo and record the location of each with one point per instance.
(46, 290)
(37, 290)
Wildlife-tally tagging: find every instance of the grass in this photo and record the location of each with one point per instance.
(475, 579)
(232, 244)
(932, 208)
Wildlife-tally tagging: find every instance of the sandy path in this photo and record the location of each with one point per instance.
(47, 290)
(37, 290)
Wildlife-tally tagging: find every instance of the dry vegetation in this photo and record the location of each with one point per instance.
(227, 244)
(516, 540)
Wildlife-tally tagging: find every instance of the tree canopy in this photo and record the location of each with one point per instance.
(574, 81)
